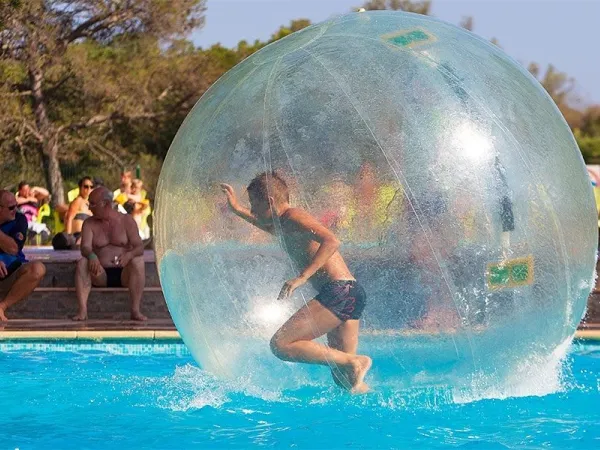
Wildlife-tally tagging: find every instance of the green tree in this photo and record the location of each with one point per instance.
(589, 146)
(561, 88)
(558, 84)
(419, 7)
(588, 134)
(295, 25)
(467, 23)
(590, 123)
(38, 73)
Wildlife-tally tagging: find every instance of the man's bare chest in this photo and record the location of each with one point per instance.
(109, 233)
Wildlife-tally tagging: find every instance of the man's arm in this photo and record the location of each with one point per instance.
(40, 192)
(8, 244)
(87, 239)
(133, 237)
(13, 242)
(329, 243)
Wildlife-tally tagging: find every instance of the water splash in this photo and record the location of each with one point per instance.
(533, 376)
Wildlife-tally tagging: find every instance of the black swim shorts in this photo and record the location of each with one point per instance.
(344, 298)
(113, 276)
(16, 265)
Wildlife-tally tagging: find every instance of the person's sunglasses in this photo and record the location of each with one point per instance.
(88, 186)
(10, 208)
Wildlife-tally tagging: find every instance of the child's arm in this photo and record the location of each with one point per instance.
(241, 211)
(329, 245)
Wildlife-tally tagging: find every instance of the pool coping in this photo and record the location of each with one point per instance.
(144, 335)
(155, 335)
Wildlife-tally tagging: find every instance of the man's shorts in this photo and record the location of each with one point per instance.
(7, 282)
(113, 276)
(344, 298)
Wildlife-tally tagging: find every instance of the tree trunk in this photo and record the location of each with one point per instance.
(49, 139)
(54, 175)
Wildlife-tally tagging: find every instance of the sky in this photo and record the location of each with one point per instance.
(558, 32)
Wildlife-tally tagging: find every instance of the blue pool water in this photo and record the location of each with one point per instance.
(140, 395)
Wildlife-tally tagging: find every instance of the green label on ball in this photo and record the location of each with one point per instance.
(499, 276)
(409, 38)
(510, 273)
(519, 272)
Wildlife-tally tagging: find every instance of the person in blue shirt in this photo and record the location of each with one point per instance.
(18, 277)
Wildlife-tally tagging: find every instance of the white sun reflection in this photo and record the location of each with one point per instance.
(268, 315)
(272, 313)
(471, 142)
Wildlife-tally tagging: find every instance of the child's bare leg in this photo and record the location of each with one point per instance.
(294, 342)
(345, 339)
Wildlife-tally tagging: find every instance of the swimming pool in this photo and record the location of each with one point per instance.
(92, 395)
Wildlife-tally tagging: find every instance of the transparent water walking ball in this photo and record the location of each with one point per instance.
(450, 177)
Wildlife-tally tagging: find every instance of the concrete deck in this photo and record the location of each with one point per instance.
(48, 254)
(43, 325)
(44, 329)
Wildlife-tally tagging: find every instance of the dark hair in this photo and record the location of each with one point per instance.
(98, 182)
(63, 241)
(269, 184)
(80, 183)
(21, 184)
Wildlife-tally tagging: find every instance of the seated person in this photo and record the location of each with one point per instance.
(64, 241)
(136, 193)
(18, 278)
(112, 254)
(121, 195)
(79, 209)
(29, 199)
(140, 207)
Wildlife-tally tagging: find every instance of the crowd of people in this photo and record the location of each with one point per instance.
(67, 219)
(111, 229)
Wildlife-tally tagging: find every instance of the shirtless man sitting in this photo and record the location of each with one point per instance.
(113, 254)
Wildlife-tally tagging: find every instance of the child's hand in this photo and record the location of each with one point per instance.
(231, 198)
(290, 286)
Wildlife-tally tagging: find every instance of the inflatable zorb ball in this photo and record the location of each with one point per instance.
(448, 174)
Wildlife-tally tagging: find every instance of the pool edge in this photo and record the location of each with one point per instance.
(155, 335)
(91, 335)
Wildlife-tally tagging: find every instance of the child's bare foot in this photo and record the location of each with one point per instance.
(79, 317)
(362, 388)
(359, 367)
(3, 317)
(138, 316)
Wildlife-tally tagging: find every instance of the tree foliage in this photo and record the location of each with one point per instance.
(418, 7)
(54, 84)
(588, 134)
(94, 86)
